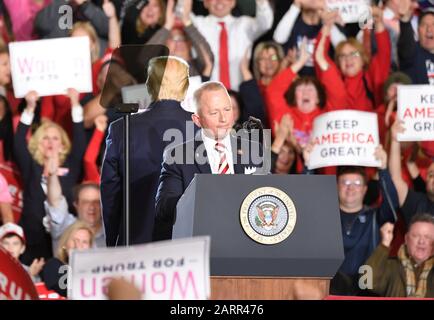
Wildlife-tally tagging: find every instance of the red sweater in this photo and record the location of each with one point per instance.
(350, 92)
(277, 106)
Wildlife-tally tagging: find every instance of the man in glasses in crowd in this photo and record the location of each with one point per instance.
(361, 224)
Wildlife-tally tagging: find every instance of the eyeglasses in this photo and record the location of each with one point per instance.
(273, 57)
(348, 183)
(349, 55)
(177, 38)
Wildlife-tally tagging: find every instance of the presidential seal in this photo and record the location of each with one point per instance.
(268, 215)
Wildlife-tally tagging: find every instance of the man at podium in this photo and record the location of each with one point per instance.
(215, 150)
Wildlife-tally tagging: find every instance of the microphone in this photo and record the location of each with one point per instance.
(256, 124)
(252, 123)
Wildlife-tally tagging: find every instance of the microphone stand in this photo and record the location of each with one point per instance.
(126, 109)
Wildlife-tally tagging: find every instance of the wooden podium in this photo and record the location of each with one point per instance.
(299, 267)
(256, 288)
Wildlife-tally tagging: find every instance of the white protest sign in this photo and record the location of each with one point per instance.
(351, 10)
(51, 66)
(416, 109)
(344, 138)
(166, 270)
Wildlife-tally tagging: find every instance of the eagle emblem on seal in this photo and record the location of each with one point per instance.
(267, 214)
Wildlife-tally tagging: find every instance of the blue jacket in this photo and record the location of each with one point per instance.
(363, 236)
(146, 153)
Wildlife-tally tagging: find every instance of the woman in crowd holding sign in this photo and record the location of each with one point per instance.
(31, 159)
(352, 81)
(57, 108)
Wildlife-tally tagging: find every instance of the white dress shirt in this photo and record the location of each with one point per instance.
(58, 219)
(242, 32)
(214, 156)
(286, 24)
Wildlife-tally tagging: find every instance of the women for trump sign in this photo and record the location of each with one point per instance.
(416, 109)
(51, 66)
(344, 138)
(165, 270)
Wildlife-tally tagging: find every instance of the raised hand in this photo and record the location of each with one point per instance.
(109, 9)
(304, 54)
(380, 154)
(187, 6)
(51, 163)
(101, 122)
(36, 266)
(289, 59)
(285, 127)
(282, 132)
(329, 18)
(244, 65)
(406, 9)
(303, 57)
(74, 96)
(307, 151)
(170, 15)
(397, 127)
(31, 100)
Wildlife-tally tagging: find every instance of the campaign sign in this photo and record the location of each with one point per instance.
(344, 138)
(15, 282)
(166, 270)
(51, 66)
(416, 109)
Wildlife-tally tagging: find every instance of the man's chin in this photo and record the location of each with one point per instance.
(217, 135)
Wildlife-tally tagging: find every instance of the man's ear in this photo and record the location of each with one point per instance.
(196, 120)
(23, 248)
(206, 4)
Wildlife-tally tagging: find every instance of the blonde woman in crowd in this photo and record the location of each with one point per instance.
(49, 139)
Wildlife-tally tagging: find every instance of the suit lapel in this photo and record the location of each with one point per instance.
(199, 149)
(236, 156)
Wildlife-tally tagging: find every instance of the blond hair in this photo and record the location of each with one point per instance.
(38, 136)
(62, 252)
(265, 46)
(167, 78)
(207, 86)
(93, 37)
(357, 45)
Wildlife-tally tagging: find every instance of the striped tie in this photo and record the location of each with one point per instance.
(223, 165)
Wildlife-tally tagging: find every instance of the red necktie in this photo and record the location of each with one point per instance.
(224, 57)
(223, 165)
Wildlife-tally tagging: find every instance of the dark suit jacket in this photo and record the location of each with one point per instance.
(38, 240)
(146, 153)
(175, 176)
